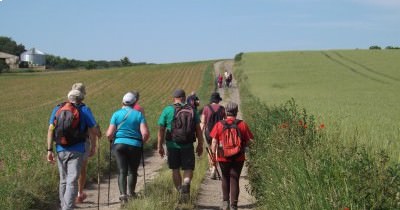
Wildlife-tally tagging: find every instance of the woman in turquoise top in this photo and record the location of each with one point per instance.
(128, 131)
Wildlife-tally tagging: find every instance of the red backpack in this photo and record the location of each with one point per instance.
(232, 143)
(67, 125)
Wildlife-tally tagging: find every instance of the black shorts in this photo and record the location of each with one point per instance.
(181, 158)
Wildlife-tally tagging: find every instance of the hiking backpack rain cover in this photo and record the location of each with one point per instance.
(183, 125)
(231, 143)
(67, 125)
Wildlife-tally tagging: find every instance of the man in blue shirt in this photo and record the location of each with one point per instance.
(69, 158)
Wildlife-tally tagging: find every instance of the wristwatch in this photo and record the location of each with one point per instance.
(50, 150)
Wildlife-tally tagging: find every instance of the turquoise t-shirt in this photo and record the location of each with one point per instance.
(129, 132)
(165, 120)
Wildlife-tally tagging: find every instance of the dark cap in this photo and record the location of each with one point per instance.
(231, 108)
(179, 93)
(215, 98)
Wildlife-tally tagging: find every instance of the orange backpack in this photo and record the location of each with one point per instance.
(232, 143)
(67, 125)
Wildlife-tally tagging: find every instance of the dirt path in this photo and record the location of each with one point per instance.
(153, 164)
(210, 195)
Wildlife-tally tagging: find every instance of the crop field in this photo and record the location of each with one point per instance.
(354, 93)
(27, 101)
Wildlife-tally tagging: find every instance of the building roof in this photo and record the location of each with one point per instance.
(6, 55)
(33, 51)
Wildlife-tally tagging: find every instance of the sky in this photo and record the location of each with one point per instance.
(169, 31)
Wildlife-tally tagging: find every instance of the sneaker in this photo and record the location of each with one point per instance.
(184, 193)
(123, 200)
(80, 198)
(225, 205)
(213, 175)
(132, 196)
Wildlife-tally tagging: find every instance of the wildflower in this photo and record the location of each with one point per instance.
(322, 126)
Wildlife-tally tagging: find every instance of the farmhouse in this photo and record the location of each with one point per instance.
(11, 60)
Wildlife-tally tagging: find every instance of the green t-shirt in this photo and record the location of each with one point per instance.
(165, 120)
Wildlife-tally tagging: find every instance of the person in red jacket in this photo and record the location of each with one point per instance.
(231, 167)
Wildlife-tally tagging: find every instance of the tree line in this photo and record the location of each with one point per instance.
(54, 62)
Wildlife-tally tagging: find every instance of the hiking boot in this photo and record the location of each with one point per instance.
(225, 205)
(184, 193)
(123, 200)
(234, 205)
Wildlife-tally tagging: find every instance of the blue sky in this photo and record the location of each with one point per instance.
(166, 31)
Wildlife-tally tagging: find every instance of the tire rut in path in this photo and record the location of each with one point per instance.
(210, 194)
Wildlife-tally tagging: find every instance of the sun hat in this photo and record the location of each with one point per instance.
(179, 93)
(79, 86)
(215, 97)
(75, 96)
(231, 108)
(129, 98)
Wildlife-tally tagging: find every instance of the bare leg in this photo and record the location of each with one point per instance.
(177, 178)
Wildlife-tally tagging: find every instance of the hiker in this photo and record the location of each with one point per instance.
(70, 143)
(82, 176)
(212, 113)
(193, 100)
(229, 80)
(179, 139)
(136, 105)
(128, 131)
(229, 157)
(220, 80)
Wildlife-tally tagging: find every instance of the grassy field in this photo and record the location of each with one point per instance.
(354, 91)
(328, 137)
(26, 179)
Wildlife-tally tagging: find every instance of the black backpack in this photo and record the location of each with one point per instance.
(183, 125)
(214, 118)
(67, 125)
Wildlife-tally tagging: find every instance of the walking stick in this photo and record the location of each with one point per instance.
(98, 173)
(109, 176)
(212, 158)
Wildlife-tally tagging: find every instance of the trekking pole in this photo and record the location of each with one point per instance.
(109, 177)
(144, 172)
(211, 157)
(98, 173)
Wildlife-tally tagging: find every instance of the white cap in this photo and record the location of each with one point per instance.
(129, 98)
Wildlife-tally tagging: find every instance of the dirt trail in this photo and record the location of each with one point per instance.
(210, 195)
(153, 164)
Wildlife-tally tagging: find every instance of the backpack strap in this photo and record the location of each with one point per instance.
(123, 120)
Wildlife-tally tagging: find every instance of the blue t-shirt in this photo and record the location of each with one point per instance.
(129, 132)
(87, 120)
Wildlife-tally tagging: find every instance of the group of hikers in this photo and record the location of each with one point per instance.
(74, 130)
(227, 77)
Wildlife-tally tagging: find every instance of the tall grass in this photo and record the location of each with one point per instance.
(296, 163)
(27, 181)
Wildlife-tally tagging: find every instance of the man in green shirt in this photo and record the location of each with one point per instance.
(180, 153)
